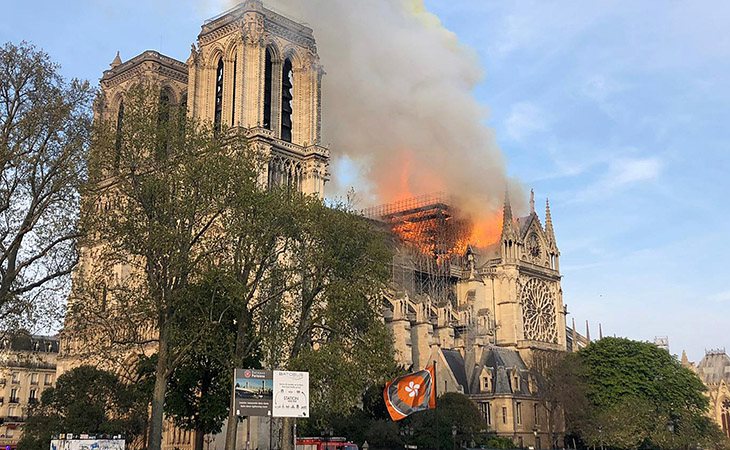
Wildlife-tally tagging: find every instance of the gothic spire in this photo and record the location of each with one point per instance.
(117, 61)
(549, 230)
(685, 360)
(532, 201)
(507, 220)
(573, 338)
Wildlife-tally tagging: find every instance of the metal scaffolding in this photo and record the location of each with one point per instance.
(430, 239)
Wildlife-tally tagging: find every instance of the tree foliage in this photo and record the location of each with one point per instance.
(159, 185)
(173, 206)
(639, 396)
(85, 400)
(44, 135)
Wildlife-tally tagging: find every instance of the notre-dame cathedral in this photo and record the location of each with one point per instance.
(480, 314)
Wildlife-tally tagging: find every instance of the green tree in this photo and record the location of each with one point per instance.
(85, 400)
(329, 320)
(164, 182)
(44, 135)
(641, 396)
(434, 428)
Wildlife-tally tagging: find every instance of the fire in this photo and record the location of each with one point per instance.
(486, 229)
(442, 224)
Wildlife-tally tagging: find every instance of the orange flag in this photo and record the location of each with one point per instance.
(411, 393)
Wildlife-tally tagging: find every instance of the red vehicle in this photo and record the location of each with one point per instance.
(329, 443)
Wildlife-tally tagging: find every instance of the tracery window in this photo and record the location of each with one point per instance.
(233, 89)
(538, 312)
(163, 119)
(118, 138)
(268, 83)
(218, 96)
(726, 417)
(287, 95)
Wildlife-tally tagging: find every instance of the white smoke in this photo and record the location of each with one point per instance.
(398, 102)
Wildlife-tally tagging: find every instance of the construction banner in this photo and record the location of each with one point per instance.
(410, 393)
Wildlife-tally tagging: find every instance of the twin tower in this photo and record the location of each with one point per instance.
(253, 69)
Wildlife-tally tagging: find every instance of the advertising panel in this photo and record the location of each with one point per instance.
(87, 444)
(254, 389)
(291, 394)
(275, 393)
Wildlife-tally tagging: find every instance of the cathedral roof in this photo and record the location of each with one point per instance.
(714, 367)
(524, 223)
(456, 364)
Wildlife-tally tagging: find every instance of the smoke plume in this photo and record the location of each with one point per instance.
(398, 105)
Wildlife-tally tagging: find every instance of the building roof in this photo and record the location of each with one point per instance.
(25, 342)
(714, 367)
(457, 366)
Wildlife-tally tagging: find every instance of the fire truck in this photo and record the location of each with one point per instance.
(329, 443)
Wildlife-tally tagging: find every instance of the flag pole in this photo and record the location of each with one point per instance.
(436, 409)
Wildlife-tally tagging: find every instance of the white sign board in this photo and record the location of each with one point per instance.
(291, 394)
(87, 444)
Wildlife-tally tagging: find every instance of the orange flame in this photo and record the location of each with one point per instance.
(472, 224)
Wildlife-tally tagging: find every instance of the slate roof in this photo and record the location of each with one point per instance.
(456, 364)
(24, 342)
(714, 367)
(499, 363)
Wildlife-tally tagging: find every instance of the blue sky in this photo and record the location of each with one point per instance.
(616, 110)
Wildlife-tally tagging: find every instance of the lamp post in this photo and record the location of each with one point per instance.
(407, 432)
(453, 436)
(208, 439)
(327, 433)
(600, 436)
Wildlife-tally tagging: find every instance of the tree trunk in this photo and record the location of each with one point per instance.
(241, 344)
(287, 433)
(199, 436)
(232, 424)
(158, 394)
(551, 426)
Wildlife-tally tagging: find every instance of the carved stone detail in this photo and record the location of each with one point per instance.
(538, 311)
(253, 28)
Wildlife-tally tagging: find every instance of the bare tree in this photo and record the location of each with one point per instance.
(44, 135)
(559, 390)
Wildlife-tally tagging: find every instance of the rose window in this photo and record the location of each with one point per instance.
(538, 312)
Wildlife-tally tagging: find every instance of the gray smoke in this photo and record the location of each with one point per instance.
(398, 106)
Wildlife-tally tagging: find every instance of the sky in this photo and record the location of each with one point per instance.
(618, 111)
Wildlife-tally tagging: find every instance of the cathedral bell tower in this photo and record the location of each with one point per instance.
(258, 70)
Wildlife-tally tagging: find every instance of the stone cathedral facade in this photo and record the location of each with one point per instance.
(256, 70)
(483, 321)
(253, 69)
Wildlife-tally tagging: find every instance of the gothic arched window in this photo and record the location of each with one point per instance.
(118, 139)
(233, 90)
(286, 101)
(268, 83)
(163, 119)
(218, 96)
